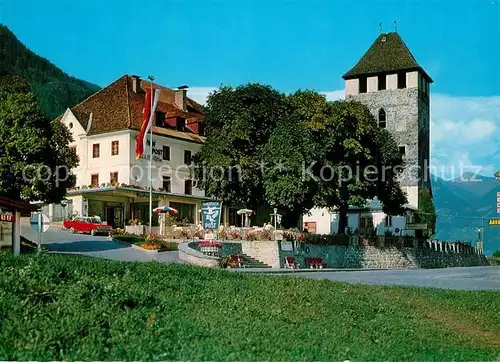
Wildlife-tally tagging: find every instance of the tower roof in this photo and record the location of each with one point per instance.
(387, 54)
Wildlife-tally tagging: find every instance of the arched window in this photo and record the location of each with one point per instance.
(381, 118)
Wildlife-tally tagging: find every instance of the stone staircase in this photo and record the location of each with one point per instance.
(250, 262)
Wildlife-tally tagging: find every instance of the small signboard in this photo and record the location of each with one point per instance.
(286, 246)
(40, 225)
(494, 222)
(278, 235)
(210, 214)
(416, 226)
(209, 236)
(7, 216)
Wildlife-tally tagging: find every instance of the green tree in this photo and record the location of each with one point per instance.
(426, 210)
(332, 154)
(34, 156)
(238, 124)
(497, 175)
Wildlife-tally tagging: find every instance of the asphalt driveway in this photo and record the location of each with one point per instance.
(62, 241)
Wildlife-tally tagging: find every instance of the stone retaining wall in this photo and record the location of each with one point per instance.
(192, 256)
(264, 251)
(372, 257)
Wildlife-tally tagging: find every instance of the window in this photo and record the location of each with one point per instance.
(180, 123)
(167, 183)
(72, 149)
(381, 82)
(201, 128)
(382, 121)
(70, 125)
(94, 180)
(402, 150)
(188, 187)
(401, 80)
(95, 150)
(160, 119)
(187, 157)
(409, 218)
(362, 84)
(388, 220)
(114, 148)
(113, 178)
(166, 153)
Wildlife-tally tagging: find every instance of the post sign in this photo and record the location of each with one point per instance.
(416, 226)
(494, 222)
(40, 225)
(210, 214)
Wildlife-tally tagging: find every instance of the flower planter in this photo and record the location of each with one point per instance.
(135, 229)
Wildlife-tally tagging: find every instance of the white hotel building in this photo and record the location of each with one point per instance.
(110, 182)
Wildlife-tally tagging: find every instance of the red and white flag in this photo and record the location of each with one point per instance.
(149, 113)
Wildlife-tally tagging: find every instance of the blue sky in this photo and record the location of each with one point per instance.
(288, 44)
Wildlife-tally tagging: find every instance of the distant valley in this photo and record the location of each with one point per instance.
(460, 205)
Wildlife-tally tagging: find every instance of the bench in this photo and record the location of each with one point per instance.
(238, 260)
(315, 263)
(291, 263)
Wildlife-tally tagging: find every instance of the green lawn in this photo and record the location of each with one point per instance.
(74, 308)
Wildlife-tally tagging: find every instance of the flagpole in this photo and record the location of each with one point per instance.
(151, 78)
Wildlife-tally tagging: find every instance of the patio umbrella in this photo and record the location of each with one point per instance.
(244, 211)
(165, 210)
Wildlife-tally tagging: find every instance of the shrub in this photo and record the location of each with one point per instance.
(225, 262)
(496, 254)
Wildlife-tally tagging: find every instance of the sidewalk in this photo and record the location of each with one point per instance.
(294, 271)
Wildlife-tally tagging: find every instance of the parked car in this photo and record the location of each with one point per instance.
(89, 225)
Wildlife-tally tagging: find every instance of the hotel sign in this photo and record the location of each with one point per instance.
(494, 222)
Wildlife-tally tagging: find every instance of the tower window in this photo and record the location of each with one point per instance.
(402, 150)
(382, 123)
(362, 84)
(401, 80)
(381, 82)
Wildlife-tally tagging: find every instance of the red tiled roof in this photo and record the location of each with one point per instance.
(118, 107)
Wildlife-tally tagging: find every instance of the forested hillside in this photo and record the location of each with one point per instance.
(54, 89)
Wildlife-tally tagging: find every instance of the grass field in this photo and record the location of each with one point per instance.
(73, 308)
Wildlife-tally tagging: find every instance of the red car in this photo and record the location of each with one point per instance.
(89, 225)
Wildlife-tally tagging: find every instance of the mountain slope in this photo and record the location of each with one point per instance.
(465, 204)
(54, 89)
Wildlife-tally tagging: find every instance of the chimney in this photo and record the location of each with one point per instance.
(136, 84)
(181, 96)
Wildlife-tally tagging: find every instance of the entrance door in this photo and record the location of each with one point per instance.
(110, 217)
(118, 221)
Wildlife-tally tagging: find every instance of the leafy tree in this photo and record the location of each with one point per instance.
(426, 210)
(35, 158)
(497, 175)
(291, 150)
(238, 123)
(296, 152)
(359, 161)
(332, 154)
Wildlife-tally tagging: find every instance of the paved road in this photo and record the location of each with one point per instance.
(475, 278)
(62, 241)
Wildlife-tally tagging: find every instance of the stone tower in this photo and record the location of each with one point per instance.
(389, 81)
